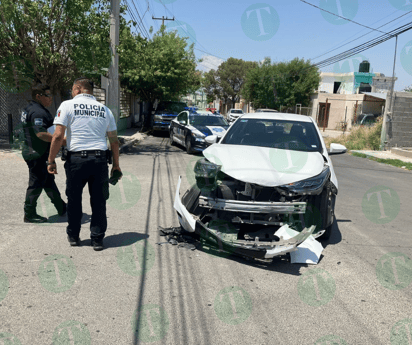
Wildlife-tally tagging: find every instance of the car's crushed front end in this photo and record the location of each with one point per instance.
(197, 214)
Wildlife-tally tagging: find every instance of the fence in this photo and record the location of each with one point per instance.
(400, 126)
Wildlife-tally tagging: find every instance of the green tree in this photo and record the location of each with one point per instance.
(52, 42)
(210, 85)
(281, 84)
(228, 80)
(162, 68)
(408, 89)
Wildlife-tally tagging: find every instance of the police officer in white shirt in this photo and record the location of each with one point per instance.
(87, 122)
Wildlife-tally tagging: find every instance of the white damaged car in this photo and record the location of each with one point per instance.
(264, 188)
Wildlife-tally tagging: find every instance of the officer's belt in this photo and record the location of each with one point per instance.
(87, 153)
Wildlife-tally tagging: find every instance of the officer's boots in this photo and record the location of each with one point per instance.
(31, 216)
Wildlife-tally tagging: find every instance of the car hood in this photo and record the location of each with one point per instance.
(265, 166)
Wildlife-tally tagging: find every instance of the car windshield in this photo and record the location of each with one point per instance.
(236, 111)
(207, 120)
(283, 134)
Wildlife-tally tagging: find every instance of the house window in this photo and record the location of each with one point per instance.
(336, 86)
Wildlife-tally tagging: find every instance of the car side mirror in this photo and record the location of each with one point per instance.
(211, 139)
(336, 149)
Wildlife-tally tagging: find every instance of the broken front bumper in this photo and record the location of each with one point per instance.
(255, 249)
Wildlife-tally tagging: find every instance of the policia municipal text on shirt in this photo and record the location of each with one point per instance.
(87, 122)
(36, 121)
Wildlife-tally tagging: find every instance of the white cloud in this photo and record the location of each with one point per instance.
(209, 62)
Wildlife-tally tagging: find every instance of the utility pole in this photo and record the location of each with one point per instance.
(388, 110)
(113, 90)
(163, 19)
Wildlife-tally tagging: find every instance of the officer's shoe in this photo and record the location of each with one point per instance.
(34, 218)
(97, 244)
(63, 211)
(74, 242)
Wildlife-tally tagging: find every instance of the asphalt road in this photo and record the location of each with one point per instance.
(51, 293)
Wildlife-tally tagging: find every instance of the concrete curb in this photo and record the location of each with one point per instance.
(402, 152)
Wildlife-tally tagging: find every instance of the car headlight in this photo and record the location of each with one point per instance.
(206, 173)
(158, 118)
(308, 186)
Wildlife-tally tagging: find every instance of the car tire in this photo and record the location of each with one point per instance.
(172, 142)
(188, 144)
(328, 232)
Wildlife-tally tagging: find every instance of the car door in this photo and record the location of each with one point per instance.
(180, 126)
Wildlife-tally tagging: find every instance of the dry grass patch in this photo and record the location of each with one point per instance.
(360, 138)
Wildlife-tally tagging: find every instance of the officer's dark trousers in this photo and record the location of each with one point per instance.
(40, 179)
(94, 172)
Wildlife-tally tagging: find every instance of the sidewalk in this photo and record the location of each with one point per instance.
(127, 138)
(385, 155)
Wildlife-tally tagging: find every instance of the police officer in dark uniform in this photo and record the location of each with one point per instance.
(87, 122)
(36, 119)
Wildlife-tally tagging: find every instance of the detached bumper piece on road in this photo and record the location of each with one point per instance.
(195, 216)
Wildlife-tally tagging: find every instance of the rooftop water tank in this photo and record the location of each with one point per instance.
(364, 66)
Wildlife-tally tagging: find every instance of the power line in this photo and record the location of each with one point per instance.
(129, 10)
(342, 17)
(361, 36)
(365, 46)
(141, 20)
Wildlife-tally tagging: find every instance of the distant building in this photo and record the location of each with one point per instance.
(342, 97)
(354, 83)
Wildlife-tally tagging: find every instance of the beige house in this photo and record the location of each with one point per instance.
(333, 110)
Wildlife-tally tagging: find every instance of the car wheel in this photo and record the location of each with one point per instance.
(328, 232)
(188, 143)
(172, 142)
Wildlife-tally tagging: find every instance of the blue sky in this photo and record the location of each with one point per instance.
(285, 29)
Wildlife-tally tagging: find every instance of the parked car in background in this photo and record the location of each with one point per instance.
(269, 171)
(165, 112)
(234, 114)
(261, 110)
(191, 127)
(367, 119)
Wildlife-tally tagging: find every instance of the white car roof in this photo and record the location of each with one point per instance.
(278, 116)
